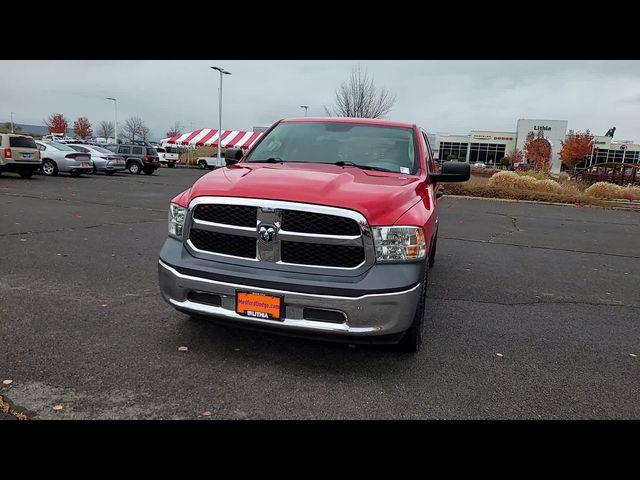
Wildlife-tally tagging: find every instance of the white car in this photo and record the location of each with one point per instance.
(168, 156)
(58, 157)
(211, 162)
(480, 165)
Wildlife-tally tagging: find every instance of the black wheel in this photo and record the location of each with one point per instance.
(26, 173)
(202, 164)
(171, 165)
(95, 170)
(148, 171)
(49, 167)
(134, 168)
(75, 174)
(110, 172)
(412, 339)
(432, 255)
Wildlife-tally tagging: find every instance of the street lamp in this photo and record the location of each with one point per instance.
(222, 72)
(12, 121)
(306, 107)
(115, 103)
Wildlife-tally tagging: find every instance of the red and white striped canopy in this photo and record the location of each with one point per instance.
(208, 136)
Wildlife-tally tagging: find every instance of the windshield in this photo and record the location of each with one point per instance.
(101, 150)
(386, 148)
(61, 146)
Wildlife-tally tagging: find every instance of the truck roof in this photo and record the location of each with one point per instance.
(365, 121)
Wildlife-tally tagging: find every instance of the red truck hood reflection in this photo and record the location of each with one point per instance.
(380, 196)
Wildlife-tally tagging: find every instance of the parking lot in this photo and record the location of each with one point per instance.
(533, 313)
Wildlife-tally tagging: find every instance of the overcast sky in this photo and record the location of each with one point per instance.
(441, 96)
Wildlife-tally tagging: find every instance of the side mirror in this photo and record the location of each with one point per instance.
(233, 156)
(452, 172)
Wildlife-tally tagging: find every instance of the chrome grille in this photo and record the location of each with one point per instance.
(306, 236)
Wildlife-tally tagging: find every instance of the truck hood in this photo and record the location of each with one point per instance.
(382, 197)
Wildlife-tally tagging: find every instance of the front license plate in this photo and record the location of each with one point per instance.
(258, 305)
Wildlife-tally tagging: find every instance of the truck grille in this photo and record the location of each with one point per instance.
(238, 215)
(307, 222)
(318, 254)
(293, 234)
(222, 243)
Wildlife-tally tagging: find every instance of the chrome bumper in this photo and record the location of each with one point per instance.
(367, 315)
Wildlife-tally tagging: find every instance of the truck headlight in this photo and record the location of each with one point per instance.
(399, 244)
(177, 215)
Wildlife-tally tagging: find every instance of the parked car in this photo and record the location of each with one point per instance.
(59, 157)
(138, 158)
(325, 227)
(211, 162)
(480, 165)
(521, 167)
(19, 154)
(168, 156)
(103, 160)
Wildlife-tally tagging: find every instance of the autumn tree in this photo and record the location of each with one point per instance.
(175, 129)
(575, 148)
(133, 128)
(514, 156)
(538, 150)
(359, 97)
(82, 128)
(106, 130)
(57, 123)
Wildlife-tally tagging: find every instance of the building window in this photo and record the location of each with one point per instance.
(452, 148)
(487, 153)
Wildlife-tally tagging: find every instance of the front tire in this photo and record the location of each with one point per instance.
(134, 168)
(412, 339)
(49, 167)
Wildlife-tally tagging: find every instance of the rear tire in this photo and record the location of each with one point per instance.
(412, 339)
(134, 168)
(148, 171)
(49, 167)
(202, 164)
(171, 165)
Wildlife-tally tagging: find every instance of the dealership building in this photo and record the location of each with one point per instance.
(489, 147)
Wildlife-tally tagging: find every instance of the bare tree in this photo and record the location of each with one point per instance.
(133, 128)
(175, 129)
(145, 133)
(359, 97)
(106, 130)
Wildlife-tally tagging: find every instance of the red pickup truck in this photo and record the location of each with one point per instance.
(325, 228)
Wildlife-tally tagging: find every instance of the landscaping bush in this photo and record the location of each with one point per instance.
(548, 186)
(534, 174)
(631, 193)
(604, 190)
(563, 177)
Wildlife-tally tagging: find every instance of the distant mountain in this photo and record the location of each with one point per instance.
(35, 129)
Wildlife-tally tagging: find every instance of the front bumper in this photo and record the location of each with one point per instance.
(368, 310)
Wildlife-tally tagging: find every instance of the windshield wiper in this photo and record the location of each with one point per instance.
(342, 163)
(267, 160)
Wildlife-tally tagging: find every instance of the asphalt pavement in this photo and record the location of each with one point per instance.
(533, 313)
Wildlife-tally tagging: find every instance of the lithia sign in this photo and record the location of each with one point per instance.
(541, 127)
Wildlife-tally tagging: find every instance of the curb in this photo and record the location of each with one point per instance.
(633, 207)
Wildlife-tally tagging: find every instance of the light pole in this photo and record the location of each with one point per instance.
(222, 72)
(12, 121)
(306, 107)
(115, 103)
